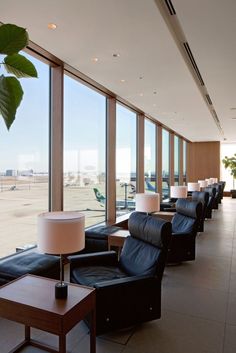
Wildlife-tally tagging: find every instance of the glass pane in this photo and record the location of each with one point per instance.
(84, 151)
(184, 161)
(24, 164)
(150, 156)
(176, 160)
(125, 159)
(165, 164)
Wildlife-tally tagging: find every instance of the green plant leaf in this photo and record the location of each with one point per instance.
(12, 39)
(11, 95)
(19, 66)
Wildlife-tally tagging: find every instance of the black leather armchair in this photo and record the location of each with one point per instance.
(212, 192)
(218, 194)
(203, 197)
(128, 290)
(184, 230)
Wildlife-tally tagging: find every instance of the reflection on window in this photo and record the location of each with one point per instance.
(125, 159)
(165, 164)
(84, 151)
(24, 164)
(184, 161)
(176, 160)
(150, 155)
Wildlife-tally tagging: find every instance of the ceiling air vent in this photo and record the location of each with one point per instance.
(170, 7)
(208, 99)
(193, 62)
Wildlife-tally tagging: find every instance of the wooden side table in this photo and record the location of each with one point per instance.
(30, 300)
(117, 239)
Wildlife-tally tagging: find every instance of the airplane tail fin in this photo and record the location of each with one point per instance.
(150, 187)
(99, 196)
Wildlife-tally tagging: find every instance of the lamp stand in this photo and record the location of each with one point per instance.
(61, 288)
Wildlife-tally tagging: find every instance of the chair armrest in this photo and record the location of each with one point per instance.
(106, 258)
(127, 282)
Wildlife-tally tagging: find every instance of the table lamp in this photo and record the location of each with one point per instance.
(203, 183)
(178, 191)
(214, 180)
(193, 187)
(61, 233)
(145, 202)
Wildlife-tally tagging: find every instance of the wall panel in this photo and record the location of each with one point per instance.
(203, 160)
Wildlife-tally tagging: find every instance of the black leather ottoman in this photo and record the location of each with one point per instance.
(96, 238)
(18, 265)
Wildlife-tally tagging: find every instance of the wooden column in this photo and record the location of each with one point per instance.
(140, 154)
(111, 161)
(159, 159)
(56, 139)
(180, 161)
(172, 181)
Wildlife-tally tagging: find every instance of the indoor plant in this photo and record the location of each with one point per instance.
(12, 40)
(230, 163)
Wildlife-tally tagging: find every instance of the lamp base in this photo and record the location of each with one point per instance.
(61, 290)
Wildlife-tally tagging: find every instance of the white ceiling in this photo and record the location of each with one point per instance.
(136, 30)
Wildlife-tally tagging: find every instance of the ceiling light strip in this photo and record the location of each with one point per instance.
(178, 35)
(170, 7)
(193, 62)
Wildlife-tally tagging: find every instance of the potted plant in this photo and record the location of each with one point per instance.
(12, 40)
(230, 163)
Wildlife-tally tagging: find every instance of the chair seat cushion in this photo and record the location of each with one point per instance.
(138, 257)
(90, 275)
(32, 262)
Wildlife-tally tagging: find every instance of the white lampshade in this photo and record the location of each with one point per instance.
(208, 181)
(178, 191)
(61, 232)
(146, 202)
(193, 187)
(214, 180)
(203, 183)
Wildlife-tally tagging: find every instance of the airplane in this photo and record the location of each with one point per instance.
(150, 187)
(120, 204)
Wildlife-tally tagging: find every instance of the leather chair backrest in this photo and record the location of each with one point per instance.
(189, 208)
(201, 196)
(187, 217)
(150, 229)
(211, 190)
(145, 251)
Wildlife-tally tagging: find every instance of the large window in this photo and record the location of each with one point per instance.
(125, 159)
(165, 164)
(184, 161)
(150, 155)
(84, 151)
(176, 160)
(24, 164)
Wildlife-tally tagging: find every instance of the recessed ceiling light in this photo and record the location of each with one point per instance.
(154, 105)
(115, 55)
(95, 60)
(52, 26)
(141, 94)
(122, 80)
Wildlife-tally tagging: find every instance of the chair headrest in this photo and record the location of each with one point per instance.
(211, 190)
(202, 196)
(189, 208)
(150, 229)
